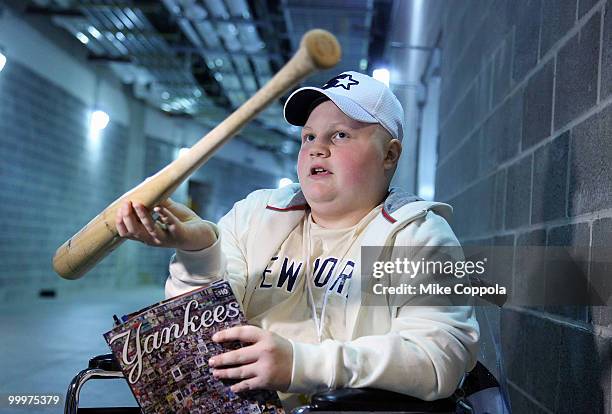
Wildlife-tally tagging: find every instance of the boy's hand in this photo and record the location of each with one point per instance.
(180, 227)
(265, 364)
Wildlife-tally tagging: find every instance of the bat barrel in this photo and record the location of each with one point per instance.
(86, 248)
(322, 47)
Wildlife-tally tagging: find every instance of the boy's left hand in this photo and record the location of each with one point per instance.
(265, 364)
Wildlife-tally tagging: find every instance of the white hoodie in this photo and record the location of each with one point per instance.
(421, 351)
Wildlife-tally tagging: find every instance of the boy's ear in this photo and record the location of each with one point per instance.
(393, 152)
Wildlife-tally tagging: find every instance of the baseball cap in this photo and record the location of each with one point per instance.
(359, 96)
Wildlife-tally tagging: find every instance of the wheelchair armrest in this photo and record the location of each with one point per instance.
(370, 399)
(478, 379)
(107, 362)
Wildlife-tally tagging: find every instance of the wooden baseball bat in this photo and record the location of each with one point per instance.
(319, 49)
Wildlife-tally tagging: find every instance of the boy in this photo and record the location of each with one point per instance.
(292, 257)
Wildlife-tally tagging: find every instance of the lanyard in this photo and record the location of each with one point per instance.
(307, 252)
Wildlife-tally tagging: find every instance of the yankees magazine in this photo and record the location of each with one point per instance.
(164, 349)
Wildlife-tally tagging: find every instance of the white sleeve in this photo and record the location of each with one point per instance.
(424, 354)
(225, 259)
(193, 269)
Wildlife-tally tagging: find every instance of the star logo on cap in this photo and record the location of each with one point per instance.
(344, 81)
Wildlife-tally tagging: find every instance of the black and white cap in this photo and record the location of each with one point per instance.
(359, 96)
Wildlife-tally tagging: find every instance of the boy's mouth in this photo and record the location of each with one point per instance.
(319, 171)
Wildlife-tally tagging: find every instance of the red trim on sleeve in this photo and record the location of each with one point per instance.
(387, 216)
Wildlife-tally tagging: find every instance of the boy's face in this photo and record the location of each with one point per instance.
(341, 161)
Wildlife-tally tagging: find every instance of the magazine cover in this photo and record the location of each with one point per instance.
(164, 350)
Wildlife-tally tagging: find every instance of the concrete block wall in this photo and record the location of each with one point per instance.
(53, 179)
(525, 158)
(229, 183)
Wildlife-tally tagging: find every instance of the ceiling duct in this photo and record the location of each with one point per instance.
(207, 57)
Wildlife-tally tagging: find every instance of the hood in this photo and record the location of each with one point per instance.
(397, 206)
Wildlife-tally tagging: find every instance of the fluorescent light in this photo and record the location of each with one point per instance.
(97, 122)
(94, 32)
(2, 61)
(284, 182)
(382, 75)
(82, 38)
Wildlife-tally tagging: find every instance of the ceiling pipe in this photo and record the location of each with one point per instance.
(415, 26)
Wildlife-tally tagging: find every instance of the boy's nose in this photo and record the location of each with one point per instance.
(319, 151)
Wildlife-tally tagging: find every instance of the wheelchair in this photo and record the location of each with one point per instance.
(478, 393)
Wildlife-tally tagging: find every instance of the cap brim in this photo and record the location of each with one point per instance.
(298, 106)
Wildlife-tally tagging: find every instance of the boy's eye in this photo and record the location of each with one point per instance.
(308, 138)
(341, 135)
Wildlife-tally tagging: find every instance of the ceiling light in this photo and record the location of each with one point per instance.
(94, 32)
(381, 74)
(2, 61)
(165, 95)
(82, 38)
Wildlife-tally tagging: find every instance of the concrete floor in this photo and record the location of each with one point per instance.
(45, 342)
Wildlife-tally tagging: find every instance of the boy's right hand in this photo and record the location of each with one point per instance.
(180, 227)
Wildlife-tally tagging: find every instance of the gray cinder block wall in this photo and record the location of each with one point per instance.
(525, 157)
(229, 183)
(53, 181)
